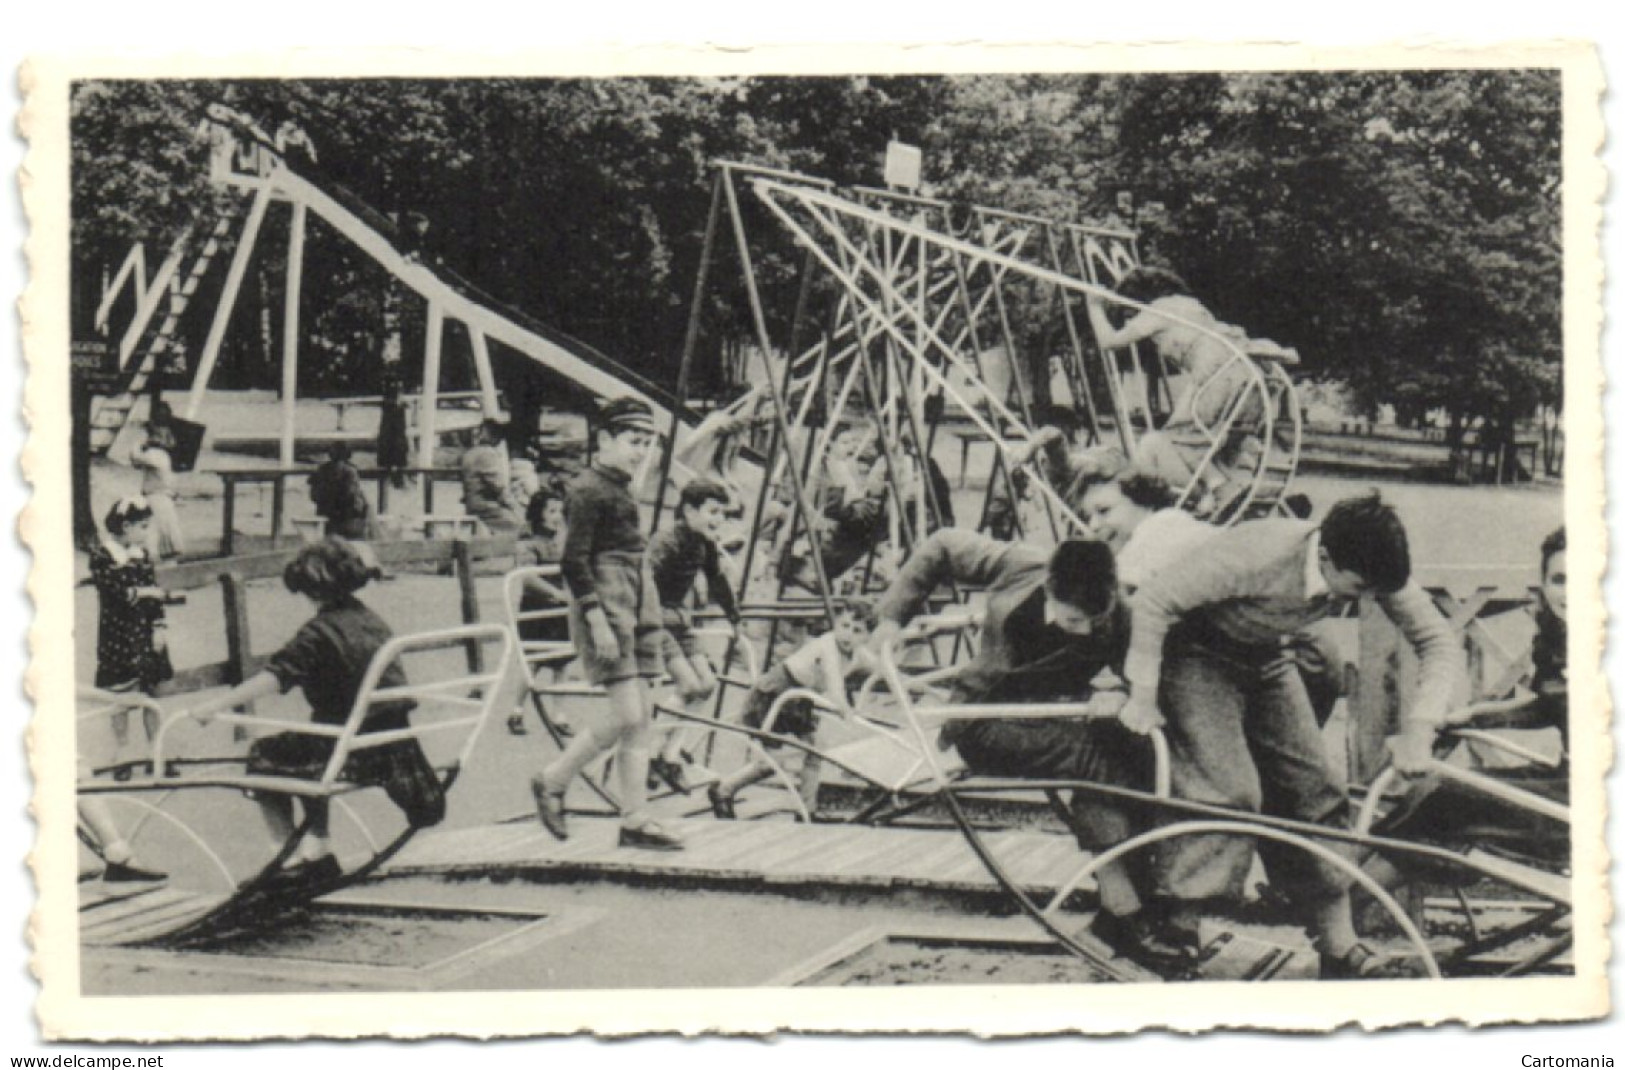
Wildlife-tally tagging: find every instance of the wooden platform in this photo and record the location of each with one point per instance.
(113, 914)
(763, 853)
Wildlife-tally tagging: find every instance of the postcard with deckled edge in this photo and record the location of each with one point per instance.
(816, 539)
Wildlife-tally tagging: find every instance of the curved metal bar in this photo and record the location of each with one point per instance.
(1517, 750)
(186, 830)
(1485, 866)
(1478, 782)
(349, 811)
(787, 741)
(1374, 795)
(1324, 854)
(1028, 907)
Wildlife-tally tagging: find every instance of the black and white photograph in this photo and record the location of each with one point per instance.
(866, 538)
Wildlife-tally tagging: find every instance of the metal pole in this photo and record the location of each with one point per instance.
(759, 319)
(290, 332)
(691, 338)
(228, 299)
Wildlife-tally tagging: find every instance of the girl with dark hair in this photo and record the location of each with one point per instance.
(544, 545)
(328, 659)
(132, 646)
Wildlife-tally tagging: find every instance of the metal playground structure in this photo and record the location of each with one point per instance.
(914, 318)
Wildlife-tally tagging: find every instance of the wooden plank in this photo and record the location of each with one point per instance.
(740, 848)
(234, 599)
(116, 914)
(461, 845)
(926, 856)
(807, 846)
(862, 858)
(160, 923)
(469, 601)
(269, 565)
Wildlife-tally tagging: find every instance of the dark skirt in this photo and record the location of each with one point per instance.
(400, 768)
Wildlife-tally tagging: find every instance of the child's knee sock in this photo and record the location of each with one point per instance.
(598, 737)
(735, 782)
(1117, 893)
(632, 772)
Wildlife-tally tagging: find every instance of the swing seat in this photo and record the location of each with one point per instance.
(220, 879)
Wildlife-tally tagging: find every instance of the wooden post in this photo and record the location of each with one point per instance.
(429, 399)
(463, 560)
(290, 336)
(429, 403)
(482, 370)
(228, 524)
(239, 645)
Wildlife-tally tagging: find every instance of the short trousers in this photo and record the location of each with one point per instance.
(679, 625)
(628, 597)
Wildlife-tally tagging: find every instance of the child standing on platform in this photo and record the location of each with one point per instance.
(615, 623)
(822, 665)
(677, 557)
(132, 645)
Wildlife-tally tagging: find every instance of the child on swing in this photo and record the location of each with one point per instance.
(327, 659)
(132, 646)
(823, 665)
(615, 624)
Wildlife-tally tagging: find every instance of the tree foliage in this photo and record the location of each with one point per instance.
(1401, 229)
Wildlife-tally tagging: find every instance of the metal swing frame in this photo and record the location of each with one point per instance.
(472, 695)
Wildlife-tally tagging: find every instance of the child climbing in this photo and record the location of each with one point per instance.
(678, 556)
(1219, 412)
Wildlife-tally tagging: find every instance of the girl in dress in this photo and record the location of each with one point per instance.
(544, 546)
(132, 644)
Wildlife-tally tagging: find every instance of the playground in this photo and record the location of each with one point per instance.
(944, 367)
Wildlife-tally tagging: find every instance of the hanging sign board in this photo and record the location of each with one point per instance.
(903, 166)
